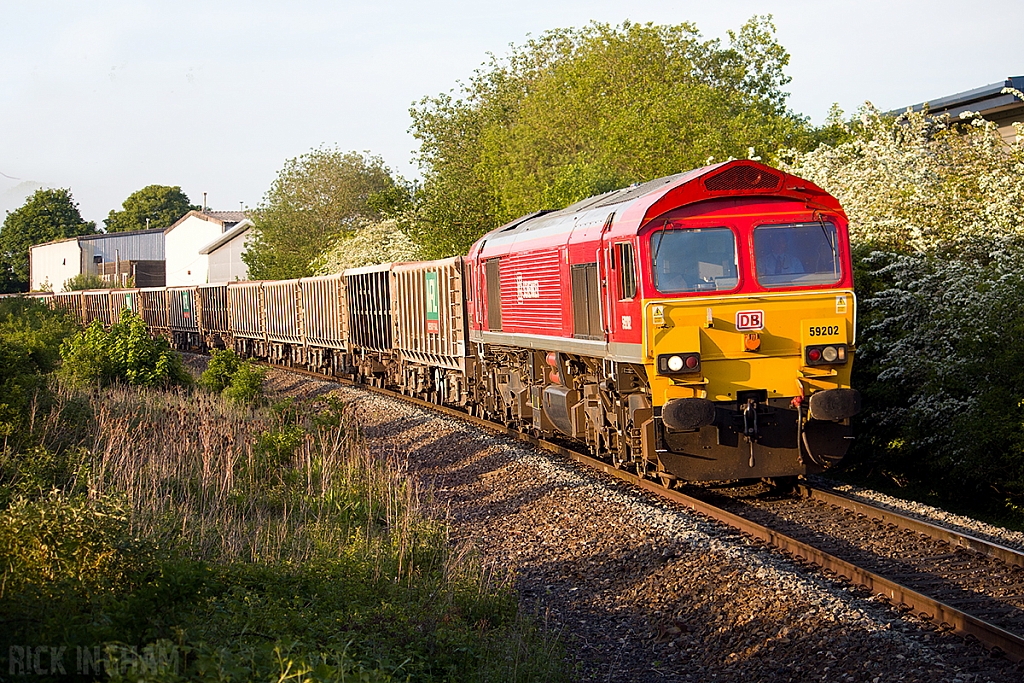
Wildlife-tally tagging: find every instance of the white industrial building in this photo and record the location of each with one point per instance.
(225, 254)
(206, 246)
(54, 263)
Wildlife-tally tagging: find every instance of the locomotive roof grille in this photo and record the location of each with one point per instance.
(743, 178)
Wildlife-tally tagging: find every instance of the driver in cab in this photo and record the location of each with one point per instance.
(779, 260)
(673, 277)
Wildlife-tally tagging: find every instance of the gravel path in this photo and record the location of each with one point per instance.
(638, 590)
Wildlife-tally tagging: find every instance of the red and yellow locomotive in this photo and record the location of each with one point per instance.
(699, 326)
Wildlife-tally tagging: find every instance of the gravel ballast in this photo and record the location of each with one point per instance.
(637, 589)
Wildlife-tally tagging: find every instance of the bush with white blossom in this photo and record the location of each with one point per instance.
(368, 245)
(913, 182)
(935, 209)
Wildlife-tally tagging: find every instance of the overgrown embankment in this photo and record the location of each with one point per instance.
(164, 534)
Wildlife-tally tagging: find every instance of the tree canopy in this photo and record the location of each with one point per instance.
(317, 197)
(45, 216)
(579, 111)
(162, 205)
(938, 236)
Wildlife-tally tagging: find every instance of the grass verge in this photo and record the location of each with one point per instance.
(172, 535)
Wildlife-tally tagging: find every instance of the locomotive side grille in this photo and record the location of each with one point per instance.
(743, 178)
(492, 275)
(586, 303)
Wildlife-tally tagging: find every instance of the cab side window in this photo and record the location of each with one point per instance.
(627, 271)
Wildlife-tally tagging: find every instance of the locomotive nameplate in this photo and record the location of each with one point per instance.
(823, 331)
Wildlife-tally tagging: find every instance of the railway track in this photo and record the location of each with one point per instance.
(958, 582)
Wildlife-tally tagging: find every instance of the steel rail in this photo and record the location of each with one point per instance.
(959, 539)
(901, 597)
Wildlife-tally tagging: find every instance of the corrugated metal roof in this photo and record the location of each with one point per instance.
(101, 236)
(226, 219)
(228, 216)
(983, 100)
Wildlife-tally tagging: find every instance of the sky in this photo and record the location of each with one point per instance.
(107, 97)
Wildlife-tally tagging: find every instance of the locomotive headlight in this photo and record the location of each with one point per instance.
(826, 354)
(679, 363)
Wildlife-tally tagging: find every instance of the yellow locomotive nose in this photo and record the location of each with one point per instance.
(744, 395)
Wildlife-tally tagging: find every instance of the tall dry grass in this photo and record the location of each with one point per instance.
(244, 532)
(223, 482)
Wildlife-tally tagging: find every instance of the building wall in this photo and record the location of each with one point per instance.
(226, 263)
(145, 245)
(185, 265)
(54, 264)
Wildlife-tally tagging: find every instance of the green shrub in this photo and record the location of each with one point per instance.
(36, 471)
(246, 385)
(86, 281)
(36, 329)
(30, 336)
(86, 356)
(126, 352)
(222, 367)
(277, 447)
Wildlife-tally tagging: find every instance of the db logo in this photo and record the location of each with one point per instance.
(750, 320)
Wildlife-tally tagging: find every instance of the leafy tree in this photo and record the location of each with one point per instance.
(577, 112)
(160, 204)
(943, 384)
(316, 198)
(45, 216)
